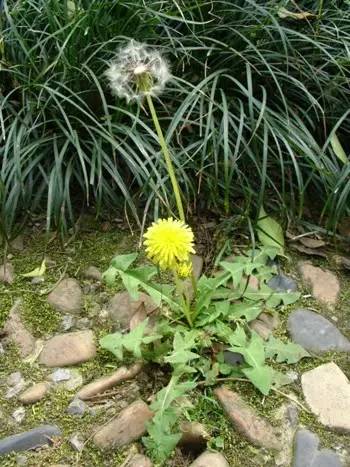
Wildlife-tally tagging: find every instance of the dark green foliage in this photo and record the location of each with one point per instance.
(250, 116)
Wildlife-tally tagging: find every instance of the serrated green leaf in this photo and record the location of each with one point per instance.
(134, 339)
(235, 269)
(166, 396)
(123, 262)
(284, 352)
(271, 297)
(237, 338)
(113, 343)
(261, 377)
(131, 342)
(109, 276)
(280, 379)
(270, 232)
(246, 310)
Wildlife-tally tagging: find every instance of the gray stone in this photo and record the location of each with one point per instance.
(327, 392)
(59, 375)
(37, 280)
(129, 426)
(31, 439)
(67, 322)
(77, 442)
(35, 393)
(67, 297)
(19, 414)
(255, 428)
(69, 379)
(83, 323)
(282, 283)
(17, 243)
(14, 378)
(68, 349)
(324, 284)
(77, 407)
(287, 416)
(17, 333)
(233, 358)
(92, 273)
(306, 453)
(210, 459)
(16, 382)
(2, 350)
(122, 308)
(139, 461)
(7, 273)
(21, 460)
(315, 333)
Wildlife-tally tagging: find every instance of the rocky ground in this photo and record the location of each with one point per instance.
(65, 402)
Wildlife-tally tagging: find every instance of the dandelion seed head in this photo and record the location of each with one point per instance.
(138, 71)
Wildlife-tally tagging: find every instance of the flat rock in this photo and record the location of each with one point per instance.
(327, 392)
(35, 393)
(77, 408)
(19, 414)
(77, 442)
(67, 322)
(324, 284)
(264, 324)
(256, 429)
(67, 297)
(129, 426)
(16, 384)
(17, 333)
(122, 308)
(92, 273)
(233, 358)
(282, 283)
(139, 461)
(210, 459)
(68, 349)
(7, 273)
(287, 415)
(31, 439)
(17, 243)
(306, 453)
(102, 384)
(315, 333)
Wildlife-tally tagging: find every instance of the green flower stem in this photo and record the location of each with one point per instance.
(167, 158)
(185, 306)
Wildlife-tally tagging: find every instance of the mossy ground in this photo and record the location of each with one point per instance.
(95, 246)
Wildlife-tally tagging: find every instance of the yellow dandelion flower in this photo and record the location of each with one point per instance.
(184, 269)
(169, 242)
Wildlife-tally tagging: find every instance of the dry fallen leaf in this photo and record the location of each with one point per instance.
(312, 242)
(284, 13)
(342, 261)
(308, 251)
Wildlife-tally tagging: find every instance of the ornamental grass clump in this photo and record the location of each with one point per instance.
(215, 313)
